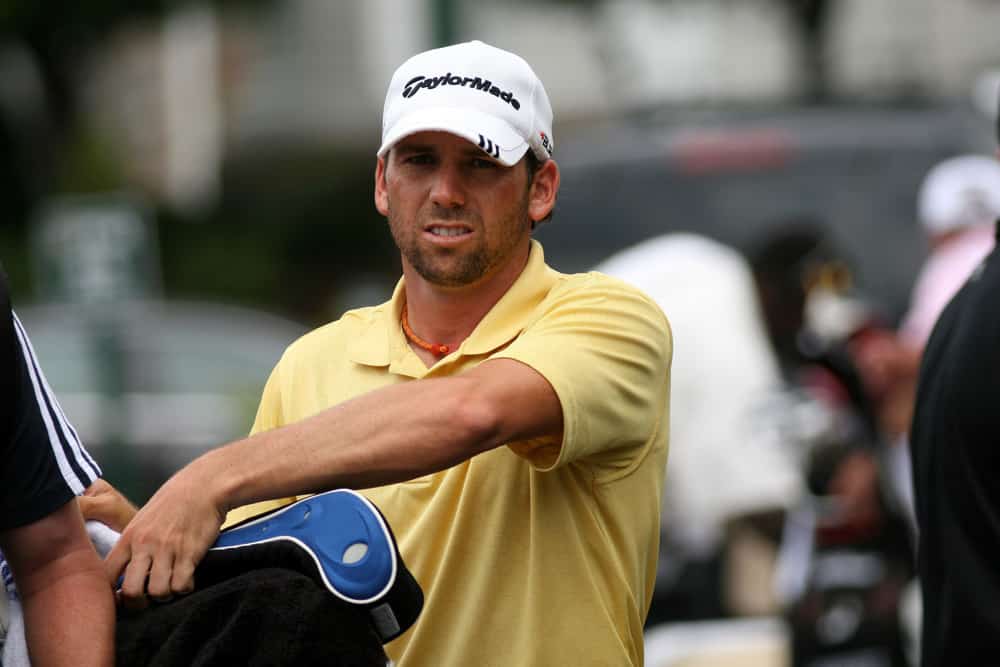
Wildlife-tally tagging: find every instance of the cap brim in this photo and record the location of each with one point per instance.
(495, 136)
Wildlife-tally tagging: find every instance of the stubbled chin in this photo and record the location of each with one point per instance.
(448, 268)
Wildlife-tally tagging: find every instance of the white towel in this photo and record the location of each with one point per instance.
(12, 639)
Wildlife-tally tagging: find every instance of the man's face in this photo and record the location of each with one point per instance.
(457, 216)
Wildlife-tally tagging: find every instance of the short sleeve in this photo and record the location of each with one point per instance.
(269, 412)
(605, 348)
(43, 464)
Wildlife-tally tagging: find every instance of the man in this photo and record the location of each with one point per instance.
(509, 420)
(956, 428)
(958, 201)
(67, 604)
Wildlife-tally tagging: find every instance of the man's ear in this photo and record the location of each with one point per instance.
(381, 192)
(544, 188)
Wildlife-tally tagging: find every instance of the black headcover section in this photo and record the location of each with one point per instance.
(392, 614)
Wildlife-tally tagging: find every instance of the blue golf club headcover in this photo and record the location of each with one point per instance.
(339, 539)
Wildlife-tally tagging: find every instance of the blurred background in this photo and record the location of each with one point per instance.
(187, 187)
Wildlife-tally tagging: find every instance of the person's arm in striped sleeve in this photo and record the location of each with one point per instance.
(68, 604)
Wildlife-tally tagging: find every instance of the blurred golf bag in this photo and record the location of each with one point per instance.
(843, 570)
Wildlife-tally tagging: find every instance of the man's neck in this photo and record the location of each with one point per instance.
(448, 315)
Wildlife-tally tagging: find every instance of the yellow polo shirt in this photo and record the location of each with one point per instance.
(537, 553)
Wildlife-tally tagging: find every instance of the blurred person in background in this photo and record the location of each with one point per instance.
(510, 421)
(55, 578)
(845, 557)
(955, 431)
(958, 201)
(804, 287)
(730, 475)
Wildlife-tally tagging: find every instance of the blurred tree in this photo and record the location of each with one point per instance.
(811, 19)
(444, 14)
(295, 231)
(56, 36)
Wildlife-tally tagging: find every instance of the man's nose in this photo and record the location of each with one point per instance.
(447, 190)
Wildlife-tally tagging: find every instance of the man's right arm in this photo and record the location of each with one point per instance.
(389, 435)
(68, 605)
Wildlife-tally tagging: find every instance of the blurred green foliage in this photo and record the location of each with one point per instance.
(291, 234)
(295, 227)
(93, 16)
(293, 230)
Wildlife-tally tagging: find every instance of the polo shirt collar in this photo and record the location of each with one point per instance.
(382, 342)
(509, 315)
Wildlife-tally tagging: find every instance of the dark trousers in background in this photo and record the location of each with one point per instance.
(265, 617)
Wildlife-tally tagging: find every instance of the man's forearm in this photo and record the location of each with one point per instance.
(68, 604)
(394, 434)
(71, 621)
(388, 436)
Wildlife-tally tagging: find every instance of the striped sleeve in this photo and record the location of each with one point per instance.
(43, 464)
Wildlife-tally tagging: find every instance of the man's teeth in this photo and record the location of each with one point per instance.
(447, 231)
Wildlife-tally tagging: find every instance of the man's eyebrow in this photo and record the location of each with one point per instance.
(470, 151)
(474, 151)
(415, 148)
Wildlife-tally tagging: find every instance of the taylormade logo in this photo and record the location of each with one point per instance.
(414, 85)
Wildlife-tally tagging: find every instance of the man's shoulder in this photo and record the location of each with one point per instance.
(594, 284)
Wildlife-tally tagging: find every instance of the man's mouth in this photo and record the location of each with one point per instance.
(438, 230)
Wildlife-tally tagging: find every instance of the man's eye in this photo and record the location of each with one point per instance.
(419, 159)
(481, 163)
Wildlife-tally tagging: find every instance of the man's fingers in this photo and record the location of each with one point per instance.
(116, 560)
(133, 588)
(98, 487)
(163, 542)
(160, 573)
(137, 603)
(90, 507)
(109, 507)
(182, 581)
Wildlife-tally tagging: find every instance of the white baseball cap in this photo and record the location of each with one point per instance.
(483, 94)
(960, 192)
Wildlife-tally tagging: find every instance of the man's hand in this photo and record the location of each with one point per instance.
(103, 502)
(884, 361)
(163, 543)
